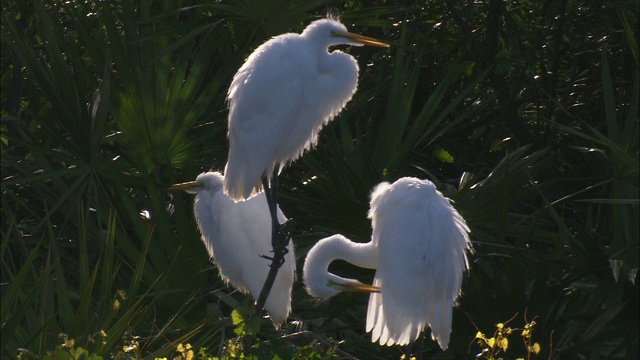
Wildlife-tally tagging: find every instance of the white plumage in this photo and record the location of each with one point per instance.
(283, 94)
(418, 249)
(235, 235)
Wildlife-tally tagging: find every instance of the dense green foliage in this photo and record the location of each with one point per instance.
(524, 113)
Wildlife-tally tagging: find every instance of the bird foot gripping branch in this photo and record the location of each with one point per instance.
(280, 240)
(284, 233)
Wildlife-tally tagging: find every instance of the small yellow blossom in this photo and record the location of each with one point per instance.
(491, 342)
(404, 356)
(535, 348)
(186, 352)
(122, 294)
(131, 347)
(504, 344)
(188, 355)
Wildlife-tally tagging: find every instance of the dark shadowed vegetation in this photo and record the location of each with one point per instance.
(524, 113)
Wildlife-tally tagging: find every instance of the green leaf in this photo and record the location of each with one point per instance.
(443, 155)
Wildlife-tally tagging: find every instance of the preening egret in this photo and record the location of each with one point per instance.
(236, 235)
(418, 250)
(283, 94)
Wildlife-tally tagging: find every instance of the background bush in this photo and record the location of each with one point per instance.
(525, 113)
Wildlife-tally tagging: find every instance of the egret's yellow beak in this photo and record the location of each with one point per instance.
(187, 186)
(354, 286)
(360, 39)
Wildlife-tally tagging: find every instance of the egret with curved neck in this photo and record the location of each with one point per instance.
(418, 249)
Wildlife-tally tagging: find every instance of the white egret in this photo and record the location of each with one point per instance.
(418, 250)
(280, 98)
(286, 90)
(236, 235)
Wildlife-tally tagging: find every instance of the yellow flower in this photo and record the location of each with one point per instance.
(188, 354)
(535, 348)
(491, 342)
(130, 347)
(122, 294)
(504, 344)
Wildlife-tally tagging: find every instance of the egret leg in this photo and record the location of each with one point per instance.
(280, 233)
(271, 192)
(280, 237)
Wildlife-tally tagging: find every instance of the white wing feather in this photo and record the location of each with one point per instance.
(263, 97)
(421, 242)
